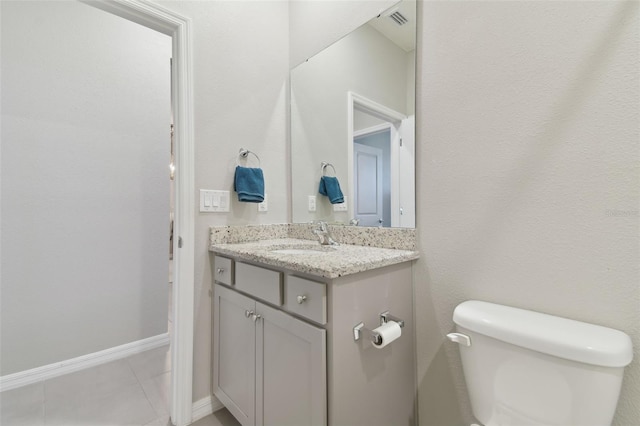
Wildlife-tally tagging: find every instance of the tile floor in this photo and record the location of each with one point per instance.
(130, 391)
(219, 418)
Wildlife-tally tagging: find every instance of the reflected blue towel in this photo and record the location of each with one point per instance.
(249, 184)
(330, 187)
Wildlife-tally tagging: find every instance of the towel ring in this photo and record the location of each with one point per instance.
(244, 153)
(324, 166)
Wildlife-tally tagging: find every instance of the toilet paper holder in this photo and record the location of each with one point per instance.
(375, 337)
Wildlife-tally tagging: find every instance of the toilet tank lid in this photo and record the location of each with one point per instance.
(561, 337)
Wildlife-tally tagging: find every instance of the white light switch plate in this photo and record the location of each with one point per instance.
(312, 203)
(212, 201)
(342, 207)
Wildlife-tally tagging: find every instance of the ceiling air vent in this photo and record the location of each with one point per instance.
(398, 18)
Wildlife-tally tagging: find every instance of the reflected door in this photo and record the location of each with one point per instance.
(368, 177)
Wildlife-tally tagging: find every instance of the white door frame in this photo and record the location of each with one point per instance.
(178, 28)
(362, 103)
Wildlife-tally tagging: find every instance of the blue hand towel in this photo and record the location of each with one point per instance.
(330, 187)
(249, 184)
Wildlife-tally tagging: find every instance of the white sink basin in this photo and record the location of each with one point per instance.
(304, 250)
(293, 251)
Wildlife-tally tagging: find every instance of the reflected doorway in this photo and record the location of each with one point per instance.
(381, 164)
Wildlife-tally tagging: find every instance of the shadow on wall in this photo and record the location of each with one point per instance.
(442, 392)
(438, 393)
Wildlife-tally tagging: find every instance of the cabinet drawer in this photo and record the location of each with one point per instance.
(262, 283)
(306, 298)
(223, 270)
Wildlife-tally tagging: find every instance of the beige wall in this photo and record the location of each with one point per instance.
(85, 253)
(527, 175)
(241, 67)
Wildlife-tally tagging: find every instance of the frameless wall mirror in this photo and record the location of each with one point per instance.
(352, 108)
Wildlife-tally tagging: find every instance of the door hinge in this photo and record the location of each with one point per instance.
(179, 242)
(400, 141)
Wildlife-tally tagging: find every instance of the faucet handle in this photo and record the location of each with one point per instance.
(324, 234)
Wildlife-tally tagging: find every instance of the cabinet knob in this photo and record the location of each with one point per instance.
(248, 314)
(301, 299)
(220, 271)
(256, 317)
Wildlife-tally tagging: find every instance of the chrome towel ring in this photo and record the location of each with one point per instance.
(244, 153)
(324, 166)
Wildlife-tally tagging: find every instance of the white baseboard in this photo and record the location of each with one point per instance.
(27, 377)
(205, 406)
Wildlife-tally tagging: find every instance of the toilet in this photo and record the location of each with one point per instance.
(525, 368)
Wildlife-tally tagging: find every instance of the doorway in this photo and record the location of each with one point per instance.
(383, 193)
(179, 29)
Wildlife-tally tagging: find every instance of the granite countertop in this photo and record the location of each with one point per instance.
(310, 257)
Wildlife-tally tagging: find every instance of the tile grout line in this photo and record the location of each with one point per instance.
(149, 401)
(135, 375)
(152, 379)
(144, 392)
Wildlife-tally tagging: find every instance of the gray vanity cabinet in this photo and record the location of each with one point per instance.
(285, 354)
(291, 370)
(269, 367)
(234, 368)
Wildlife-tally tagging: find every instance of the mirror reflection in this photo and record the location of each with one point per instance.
(353, 126)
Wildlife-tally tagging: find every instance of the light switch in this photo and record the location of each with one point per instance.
(212, 201)
(312, 203)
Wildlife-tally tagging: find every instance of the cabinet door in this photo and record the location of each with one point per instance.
(234, 349)
(290, 372)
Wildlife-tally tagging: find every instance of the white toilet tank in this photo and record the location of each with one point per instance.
(526, 368)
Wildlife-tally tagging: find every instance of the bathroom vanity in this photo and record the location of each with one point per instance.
(284, 352)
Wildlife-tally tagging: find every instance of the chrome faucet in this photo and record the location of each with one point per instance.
(324, 235)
